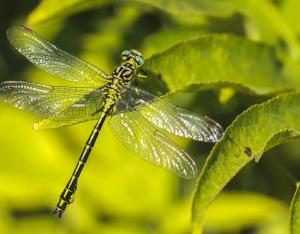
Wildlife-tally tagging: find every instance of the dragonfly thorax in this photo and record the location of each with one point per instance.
(123, 75)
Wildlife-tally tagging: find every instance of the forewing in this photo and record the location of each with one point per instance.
(169, 117)
(147, 142)
(66, 105)
(53, 60)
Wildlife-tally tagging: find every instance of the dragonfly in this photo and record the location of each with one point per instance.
(140, 120)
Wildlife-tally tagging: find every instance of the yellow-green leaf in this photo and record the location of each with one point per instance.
(295, 212)
(261, 13)
(222, 60)
(49, 10)
(290, 11)
(235, 211)
(194, 6)
(245, 139)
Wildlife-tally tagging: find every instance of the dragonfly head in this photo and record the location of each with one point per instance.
(134, 56)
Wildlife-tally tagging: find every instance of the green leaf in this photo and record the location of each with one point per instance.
(187, 28)
(193, 7)
(290, 11)
(222, 60)
(235, 211)
(49, 10)
(295, 212)
(154, 43)
(252, 133)
(261, 13)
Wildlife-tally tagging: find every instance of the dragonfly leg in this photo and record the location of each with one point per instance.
(142, 74)
(67, 196)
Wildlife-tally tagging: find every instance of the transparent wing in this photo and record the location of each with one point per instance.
(84, 109)
(147, 142)
(53, 60)
(169, 117)
(58, 105)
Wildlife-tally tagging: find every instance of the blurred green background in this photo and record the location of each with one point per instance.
(118, 192)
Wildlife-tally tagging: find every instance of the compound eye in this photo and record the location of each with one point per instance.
(125, 53)
(139, 60)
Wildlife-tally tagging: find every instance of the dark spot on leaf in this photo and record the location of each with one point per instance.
(248, 151)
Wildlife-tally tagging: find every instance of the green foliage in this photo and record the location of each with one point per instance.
(231, 57)
(295, 213)
(193, 6)
(247, 138)
(251, 67)
(244, 210)
(49, 10)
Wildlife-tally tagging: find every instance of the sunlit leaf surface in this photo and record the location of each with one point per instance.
(250, 66)
(249, 209)
(244, 140)
(49, 10)
(193, 6)
(295, 212)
